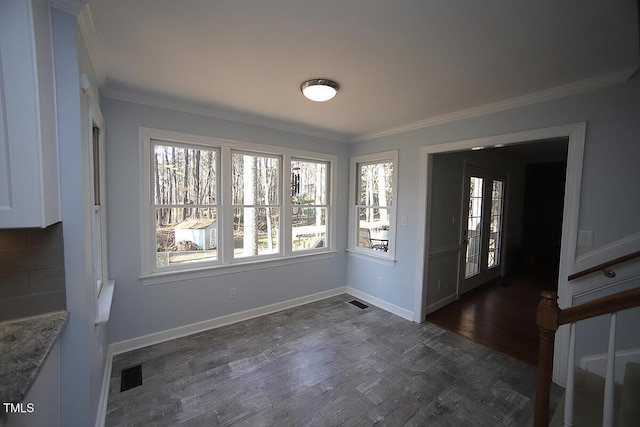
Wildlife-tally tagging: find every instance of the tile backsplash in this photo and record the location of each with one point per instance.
(31, 271)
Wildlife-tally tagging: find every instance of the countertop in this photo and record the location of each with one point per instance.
(24, 346)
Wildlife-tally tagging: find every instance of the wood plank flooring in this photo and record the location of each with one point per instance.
(500, 315)
(328, 363)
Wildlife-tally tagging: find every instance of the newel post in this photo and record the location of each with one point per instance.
(547, 319)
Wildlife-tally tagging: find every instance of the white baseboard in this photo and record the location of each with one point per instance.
(104, 391)
(193, 328)
(597, 364)
(387, 306)
(441, 303)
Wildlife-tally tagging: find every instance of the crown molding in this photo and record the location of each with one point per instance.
(521, 101)
(74, 7)
(88, 33)
(247, 119)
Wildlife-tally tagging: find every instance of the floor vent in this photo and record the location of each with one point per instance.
(131, 378)
(358, 304)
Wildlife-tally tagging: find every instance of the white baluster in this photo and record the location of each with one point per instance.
(607, 413)
(569, 386)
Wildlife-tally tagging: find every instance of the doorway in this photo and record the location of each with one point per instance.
(429, 296)
(496, 306)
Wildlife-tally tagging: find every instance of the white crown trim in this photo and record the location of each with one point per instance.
(184, 107)
(521, 101)
(73, 7)
(88, 33)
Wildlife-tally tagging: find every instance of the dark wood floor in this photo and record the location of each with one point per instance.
(327, 363)
(500, 315)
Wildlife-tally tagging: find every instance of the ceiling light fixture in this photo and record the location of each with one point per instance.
(319, 90)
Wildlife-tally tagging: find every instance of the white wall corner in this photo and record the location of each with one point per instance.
(441, 303)
(380, 303)
(597, 363)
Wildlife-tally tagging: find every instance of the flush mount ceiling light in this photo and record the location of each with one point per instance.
(319, 90)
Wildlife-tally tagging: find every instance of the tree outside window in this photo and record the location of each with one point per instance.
(185, 204)
(372, 220)
(309, 204)
(209, 203)
(256, 208)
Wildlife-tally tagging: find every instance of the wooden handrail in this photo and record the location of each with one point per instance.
(604, 265)
(550, 318)
(604, 305)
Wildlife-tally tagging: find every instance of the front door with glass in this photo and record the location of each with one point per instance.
(481, 227)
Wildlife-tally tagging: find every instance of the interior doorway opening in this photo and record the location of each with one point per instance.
(510, 232)
(428, 296)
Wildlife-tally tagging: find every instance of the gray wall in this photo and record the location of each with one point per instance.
(83, 345)
(610, 202)
(144, 309)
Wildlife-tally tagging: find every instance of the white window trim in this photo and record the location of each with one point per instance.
(152, 205)
(330, 206)
(226, 264)
(103, 290)
(385, 258)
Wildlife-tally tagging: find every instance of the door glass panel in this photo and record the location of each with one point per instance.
(495, 227)
(474, 227)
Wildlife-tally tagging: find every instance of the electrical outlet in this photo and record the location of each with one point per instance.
(232, 293)
(439, 283)
(379, 281)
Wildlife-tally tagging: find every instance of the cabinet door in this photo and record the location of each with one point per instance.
(29, 188)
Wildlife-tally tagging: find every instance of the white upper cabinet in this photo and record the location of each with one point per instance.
(29, 182)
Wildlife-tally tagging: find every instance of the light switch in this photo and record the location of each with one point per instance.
(585, 238)
(403, 220)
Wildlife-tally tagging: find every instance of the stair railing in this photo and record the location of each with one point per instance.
(550, 317)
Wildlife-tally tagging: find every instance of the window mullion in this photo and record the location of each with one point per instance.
(226, 208)
(285, 216)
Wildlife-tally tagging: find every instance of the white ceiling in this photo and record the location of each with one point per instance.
(400, 63)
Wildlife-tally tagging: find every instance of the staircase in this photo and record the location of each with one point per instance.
(591, 400)
(588, 392)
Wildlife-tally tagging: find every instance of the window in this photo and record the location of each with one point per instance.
(210, 203)
(102, 285)
(98, 225)
(372, 225)
(309, 204)
(495, 227)
(256, 208)
(185, 203)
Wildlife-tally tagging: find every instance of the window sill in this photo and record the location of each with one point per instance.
(373, 257)
(103, 305)
(218, 270)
